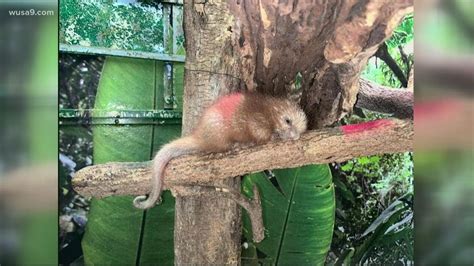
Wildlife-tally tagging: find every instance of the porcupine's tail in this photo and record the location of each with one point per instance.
(181, 146)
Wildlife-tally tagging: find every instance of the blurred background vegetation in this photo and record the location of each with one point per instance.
(28, 133)
(444, 143)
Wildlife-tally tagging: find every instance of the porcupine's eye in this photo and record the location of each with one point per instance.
(287, 121)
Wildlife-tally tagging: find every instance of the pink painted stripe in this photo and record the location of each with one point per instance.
(357, 128)
(228, 104)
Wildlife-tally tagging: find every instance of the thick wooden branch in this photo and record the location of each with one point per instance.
(314, 147)
(374, 97)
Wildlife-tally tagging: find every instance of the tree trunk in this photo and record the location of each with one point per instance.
(207, 229)
(324, 43)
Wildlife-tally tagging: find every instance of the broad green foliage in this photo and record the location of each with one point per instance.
(103, 24)
(391, 173)
(364, 187)
(298, 213)
(403, 34)
(78, 88)
(117, 232)
(393, 227)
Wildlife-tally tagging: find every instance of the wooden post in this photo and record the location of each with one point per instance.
(207, 229)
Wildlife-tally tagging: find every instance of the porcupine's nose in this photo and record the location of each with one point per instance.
(294, 135)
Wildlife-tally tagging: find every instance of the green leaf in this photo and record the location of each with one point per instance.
(390, 216)
(118, 233)
(345, 192)
(403, 34)
(367, 246)
(298, 215)
(345, 257)
(131, 27)
(112, 233)
(384, 216)
(348, 166)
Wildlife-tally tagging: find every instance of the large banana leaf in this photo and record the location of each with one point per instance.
(116, 232)
(298, 213)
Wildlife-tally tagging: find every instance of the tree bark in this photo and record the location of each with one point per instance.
(315, 147)
(325, 43)
(374, 97)
(207, 227)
